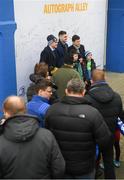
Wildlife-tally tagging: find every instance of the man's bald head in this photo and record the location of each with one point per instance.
(98, 75)
(13, 105)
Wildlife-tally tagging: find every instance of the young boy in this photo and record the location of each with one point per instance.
(76, 62)
(88, 66)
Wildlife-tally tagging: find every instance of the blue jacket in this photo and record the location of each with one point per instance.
(120, 125)
(38, 106)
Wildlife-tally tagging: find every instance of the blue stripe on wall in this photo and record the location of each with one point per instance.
(7, 51)
(115, 36)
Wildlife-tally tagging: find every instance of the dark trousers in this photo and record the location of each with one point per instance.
(117, 145)
(90, 175)
(117, 150)
(107, 155)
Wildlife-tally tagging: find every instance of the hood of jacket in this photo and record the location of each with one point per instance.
(101, 92)
(35, 78)
(20, 128)
(74, 100)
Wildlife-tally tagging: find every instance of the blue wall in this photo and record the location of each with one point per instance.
(115, 36)
(7, 50)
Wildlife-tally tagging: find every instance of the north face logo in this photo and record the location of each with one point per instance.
(82, 116)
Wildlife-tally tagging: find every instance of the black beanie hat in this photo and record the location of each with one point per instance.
(51, 38)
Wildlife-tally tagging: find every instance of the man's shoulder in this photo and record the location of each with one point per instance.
(59, 71)
(59, 45)
(44, 131)
(46, 50)
(81, 46)
(117, 94)
(44, 106)
(45, 134)
(75, 74)
(117, 97)
(59, 108)
(54, 107)
(55, 104)
(71, 47)
(81, 106)
(40, 103)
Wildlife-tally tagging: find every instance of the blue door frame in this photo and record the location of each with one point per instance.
(115, 36)
(7, 51)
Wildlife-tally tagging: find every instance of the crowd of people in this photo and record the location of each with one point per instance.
(70, 123)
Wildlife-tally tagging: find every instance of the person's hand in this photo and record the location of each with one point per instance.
(86, 82)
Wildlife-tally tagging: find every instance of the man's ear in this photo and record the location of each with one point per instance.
(84, 91)
(91, 81)
(6, 114)
(40, 92)
(66, 91)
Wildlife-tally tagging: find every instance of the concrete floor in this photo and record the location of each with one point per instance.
(116, 81)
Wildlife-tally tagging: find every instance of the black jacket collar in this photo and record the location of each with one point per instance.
(74, 100)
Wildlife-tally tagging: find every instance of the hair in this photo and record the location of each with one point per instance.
(41, 69)
(72, 52)
(68, 60)
(42, 85)
(62, 33)
(75, 86)
(14, 105)
(98, 75)
(75, 37)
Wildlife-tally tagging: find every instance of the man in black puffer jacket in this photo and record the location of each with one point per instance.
(27, 151)
(109, 105)
(77, 127)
